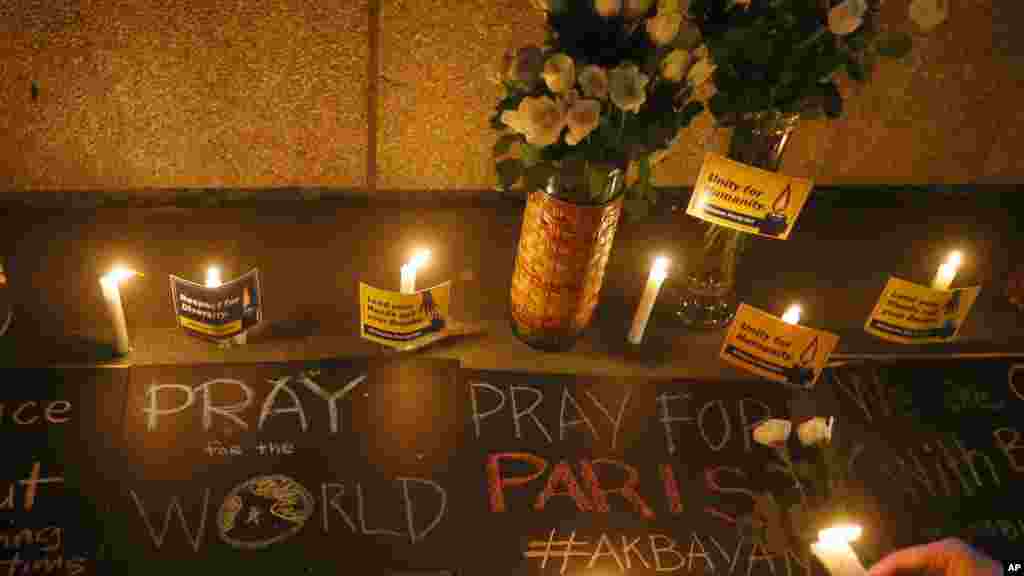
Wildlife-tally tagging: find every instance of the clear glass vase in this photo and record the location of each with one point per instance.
(708, 297)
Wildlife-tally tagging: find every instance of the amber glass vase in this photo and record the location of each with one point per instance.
(708, 299)
(559, 268)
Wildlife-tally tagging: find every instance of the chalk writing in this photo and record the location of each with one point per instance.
(276, 508)
(709, 411)
(174, 507)
(31, 485)
(662, 553)
(157, 407)
(36, 412)
(275, 448)
(572, 414)
(50, 566)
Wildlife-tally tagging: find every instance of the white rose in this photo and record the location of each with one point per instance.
(540, 119)
(663, 28)
(674, 65)
(701, 71)
(627, 87)
(772, 432)
(929, 13)
(815, 431)
(844, 18)
(583, 117)
(524, 65)
(559, 73)
(636, 8)
(594, 82)
(608, 8)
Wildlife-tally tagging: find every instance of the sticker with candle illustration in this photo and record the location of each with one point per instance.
(908, 313)
(217, 310)
(401, 320)
(777, 349)
(747, 199)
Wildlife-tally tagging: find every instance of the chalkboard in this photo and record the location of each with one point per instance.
(948, 435)
(59, 430)
(415, 466)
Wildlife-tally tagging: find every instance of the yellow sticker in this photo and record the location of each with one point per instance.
(786, 353)
(747, 199)
(402, 320)
(910, 313)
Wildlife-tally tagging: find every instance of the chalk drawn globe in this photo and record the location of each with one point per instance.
(262, 511)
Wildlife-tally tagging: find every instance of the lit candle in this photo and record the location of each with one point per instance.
(409, 271)
(213, 277)
(833, 549)
(792, 315)
(643, 311)
(947, 271)
(213, 280)
(110, 284)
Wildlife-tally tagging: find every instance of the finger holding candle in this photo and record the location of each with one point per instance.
(659, 271)
(947, 271)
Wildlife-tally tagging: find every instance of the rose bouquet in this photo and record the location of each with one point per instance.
(823, 494)
(786, 56)
(609, 91)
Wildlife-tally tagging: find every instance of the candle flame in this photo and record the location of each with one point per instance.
(839, 536)
(954, 259)
(213, 277)
(419, 259)
(660, 269)
(792, 315)
(119, 273)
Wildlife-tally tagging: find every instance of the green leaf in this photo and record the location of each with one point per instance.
(856, 70)
(537, 176)
(504, 144)
(531, 154)
(895, 44)
(509, 172)
(688, 113)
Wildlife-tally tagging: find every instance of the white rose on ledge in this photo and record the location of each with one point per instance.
(636, 8)
(663, 28)
(608, 8)
(772, 432)
(674, 65)
(845, 18)
(627, 87)
(584, 115)
(594, 82)
(540, 119)
(559, 73)
(815, 431)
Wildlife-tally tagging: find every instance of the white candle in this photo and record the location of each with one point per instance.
(213, 280)
(111, 287)
(834, 551)
(792, 315)
(409, 271)
(947, 271)
(643, 311)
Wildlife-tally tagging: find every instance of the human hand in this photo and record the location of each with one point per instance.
(949, 557)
